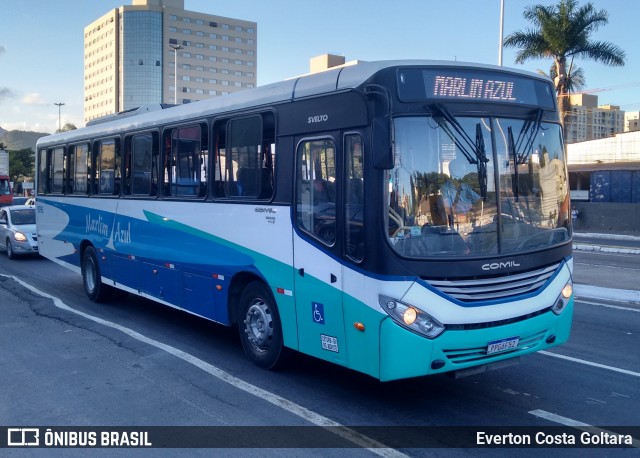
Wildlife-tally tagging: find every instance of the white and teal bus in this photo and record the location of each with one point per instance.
(397, 218)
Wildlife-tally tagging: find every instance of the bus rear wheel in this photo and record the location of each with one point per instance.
(260, 327)
(92, 279)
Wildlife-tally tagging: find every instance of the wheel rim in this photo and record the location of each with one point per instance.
(259, 324)
(90, 275)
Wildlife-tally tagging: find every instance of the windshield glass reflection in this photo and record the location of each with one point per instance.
(476, 186)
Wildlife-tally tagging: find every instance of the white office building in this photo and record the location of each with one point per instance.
(132, 55)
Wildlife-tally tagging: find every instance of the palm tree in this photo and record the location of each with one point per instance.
(574, 83)
(575, 78)
(562, 32)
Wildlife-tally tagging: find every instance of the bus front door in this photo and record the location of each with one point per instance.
(318, 277)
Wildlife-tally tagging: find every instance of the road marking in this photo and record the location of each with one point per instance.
(576, 424)
(589, 363)
(618, 307)
(312, 417)
(599, 266)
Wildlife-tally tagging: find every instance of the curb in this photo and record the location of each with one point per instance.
(611, 295)
(605, 249)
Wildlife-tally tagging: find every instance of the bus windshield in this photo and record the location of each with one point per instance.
(476, 186)
(5, 189)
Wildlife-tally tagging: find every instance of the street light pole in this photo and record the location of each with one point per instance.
(501, 32)
(175, 72)
(59, 104)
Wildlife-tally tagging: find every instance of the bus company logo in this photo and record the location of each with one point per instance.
(23, 437)
(500, 265)
(317, 118)
(96, 226)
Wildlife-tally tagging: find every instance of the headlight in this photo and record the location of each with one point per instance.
(563, 298)
(411, 318)
(20, 237)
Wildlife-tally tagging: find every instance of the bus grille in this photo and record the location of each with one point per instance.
(469, 355)
(485, 289)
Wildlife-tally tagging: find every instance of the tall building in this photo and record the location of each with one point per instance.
(590, 121)
(132, 55)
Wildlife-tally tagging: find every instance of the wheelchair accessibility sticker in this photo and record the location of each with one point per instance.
(317, 312)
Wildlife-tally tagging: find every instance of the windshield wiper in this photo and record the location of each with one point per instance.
(482, 163)
(453, 122)
(474, 150)
(527, 136)
(515, 179)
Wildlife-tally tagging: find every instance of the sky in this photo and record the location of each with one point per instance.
(41, 44)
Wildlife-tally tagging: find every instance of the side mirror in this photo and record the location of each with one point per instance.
(381, 144)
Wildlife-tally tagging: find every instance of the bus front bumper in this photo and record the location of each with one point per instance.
(404, 354)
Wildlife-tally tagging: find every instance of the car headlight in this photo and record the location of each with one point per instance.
(411, 317)
(20, 237)
(563, 298)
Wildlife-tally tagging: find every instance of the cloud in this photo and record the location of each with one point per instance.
(6, 93)
(33, 98)
(2, 49)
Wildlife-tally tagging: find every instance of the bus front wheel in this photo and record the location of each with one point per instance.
(93, 286)
(260, 327)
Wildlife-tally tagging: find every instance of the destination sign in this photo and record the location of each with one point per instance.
(472, 88)
(473, 85)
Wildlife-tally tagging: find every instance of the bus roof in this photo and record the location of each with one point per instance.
(334, 79)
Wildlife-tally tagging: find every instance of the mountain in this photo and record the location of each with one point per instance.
(20, 139)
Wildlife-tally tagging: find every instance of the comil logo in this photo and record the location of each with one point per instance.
(500, 265)
(23, 437)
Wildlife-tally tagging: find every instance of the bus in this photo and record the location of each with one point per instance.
(398, 218)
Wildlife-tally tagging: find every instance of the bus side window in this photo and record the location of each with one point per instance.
(245, 150)
(188, 160)
(70, 162)
(79, 169)
(108, 172)
(42, 178)
(57, 168)
(315, 189)
(140, 159)
(354, 197)
(243, 157)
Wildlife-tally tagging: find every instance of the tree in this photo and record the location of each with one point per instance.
(67, 127)
(21, 164)
(562, 33)
(575, 78)
(575, 82)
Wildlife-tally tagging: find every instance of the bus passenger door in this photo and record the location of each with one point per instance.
(316, 244)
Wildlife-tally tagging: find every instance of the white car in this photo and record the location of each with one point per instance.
(18, 230)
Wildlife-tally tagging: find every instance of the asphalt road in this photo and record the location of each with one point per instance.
(132, 362)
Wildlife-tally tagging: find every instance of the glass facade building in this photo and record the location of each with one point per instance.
(140, 58)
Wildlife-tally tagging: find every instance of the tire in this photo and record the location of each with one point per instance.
(10, 253)
(91, 277)
(260, 327)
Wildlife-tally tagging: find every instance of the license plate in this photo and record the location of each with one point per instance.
(498, 346)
